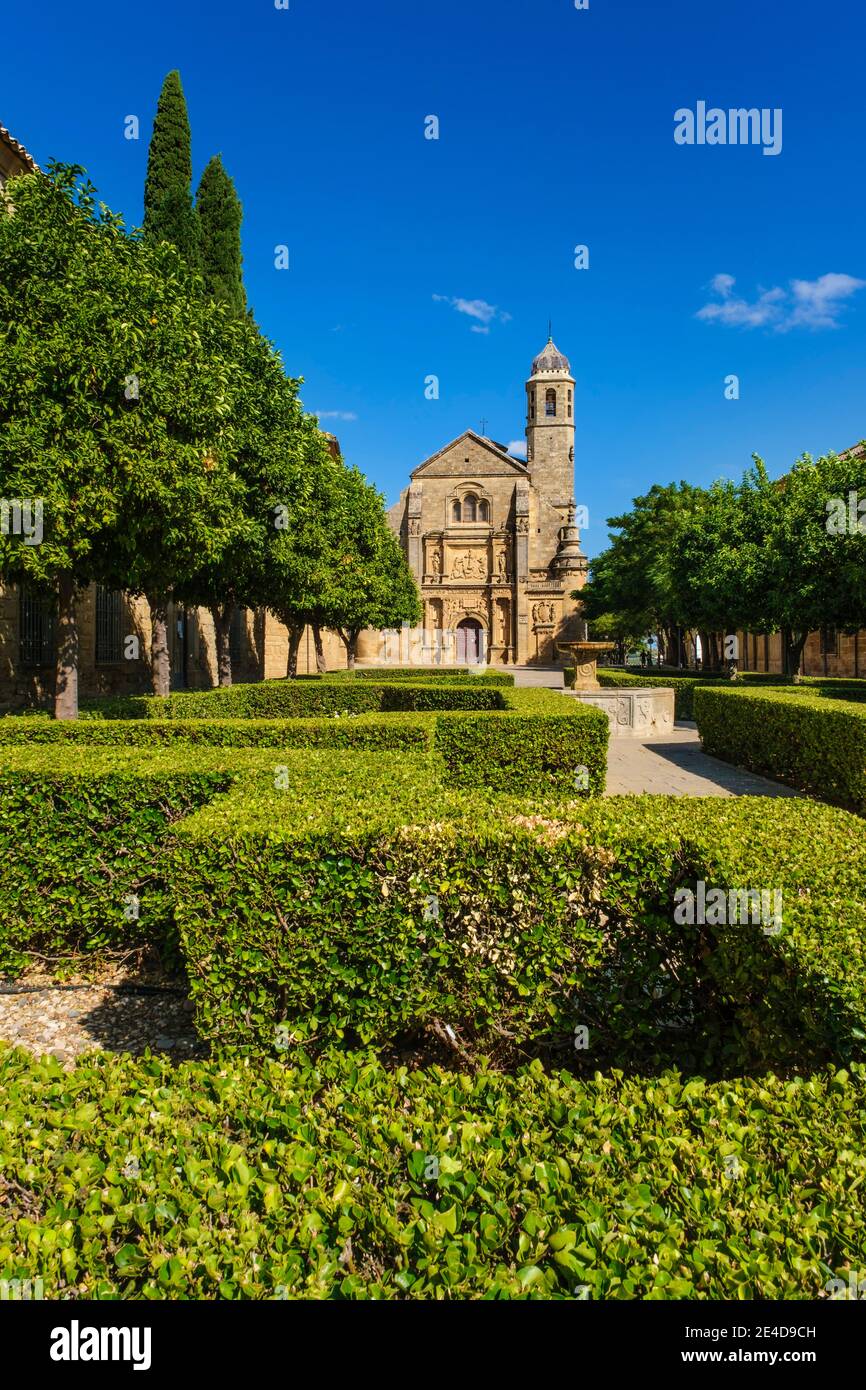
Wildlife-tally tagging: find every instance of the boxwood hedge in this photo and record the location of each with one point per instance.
(292, 699)
(684, 686)
(812, 738)
(370, 731)
(82, 858)
(498, 927)
(536, 740)
(341, 1178)
(488, 675)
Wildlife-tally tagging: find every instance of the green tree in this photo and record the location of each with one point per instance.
(343, 568)
(809, 573)
(633, 578)
(220, 215)
(279, 457)
(115, 407)
(169, 214)
(303, 561)
(371, 584)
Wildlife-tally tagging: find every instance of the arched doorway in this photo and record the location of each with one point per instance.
(470, 641)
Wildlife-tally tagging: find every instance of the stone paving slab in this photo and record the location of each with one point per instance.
(676, 765)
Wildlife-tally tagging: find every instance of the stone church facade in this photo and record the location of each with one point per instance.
(492, 540)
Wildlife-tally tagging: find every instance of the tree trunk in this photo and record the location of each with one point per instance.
(222, 614)
(794, 644)
(320, 650)
(350, 641)
(160, 662)
(296, 632)
(66, 650)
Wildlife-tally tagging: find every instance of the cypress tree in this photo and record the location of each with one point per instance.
(220, 214)
(168, 211)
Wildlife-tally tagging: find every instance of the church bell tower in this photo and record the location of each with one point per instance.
(550, 425)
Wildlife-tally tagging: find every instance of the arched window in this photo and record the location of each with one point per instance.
(470, 507)
(455, 511)
(569, 404)
(483, 510)
(550, 402)
(532, 404)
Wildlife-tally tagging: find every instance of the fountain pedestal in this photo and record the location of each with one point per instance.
(584, 657)
(632, 711)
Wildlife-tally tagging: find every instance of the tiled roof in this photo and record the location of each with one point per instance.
(550, 360)
(18, 149)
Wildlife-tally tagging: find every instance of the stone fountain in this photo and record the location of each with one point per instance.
(583, 655)
(632, 711)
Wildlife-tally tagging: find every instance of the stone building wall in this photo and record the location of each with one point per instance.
(260, 650)
(835, 653)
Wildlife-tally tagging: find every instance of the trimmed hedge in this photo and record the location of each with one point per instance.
(86, 823)
(799, 736)
(544, 742)
(486, 675)
(302, 885)
(369, 731)
(684, 686)
(79, 851)
(131, 1179)
(537, 741)
(288, 699)
(317, 918)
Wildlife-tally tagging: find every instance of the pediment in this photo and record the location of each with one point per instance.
(486, 459)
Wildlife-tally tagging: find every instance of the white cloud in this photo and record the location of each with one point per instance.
(740, 313)
(478, 309)
(518, 448)
(723, 284)
(335, 414)
(806, 304)
(818, 302)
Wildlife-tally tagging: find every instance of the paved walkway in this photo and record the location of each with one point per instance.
(548, 676)
(675, 765)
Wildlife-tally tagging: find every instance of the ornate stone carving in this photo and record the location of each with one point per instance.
(543, 613)
(414, 526)
(640, 714)
(468, 566)
(522, 524)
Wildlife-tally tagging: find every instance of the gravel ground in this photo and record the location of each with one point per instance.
(66, 1021)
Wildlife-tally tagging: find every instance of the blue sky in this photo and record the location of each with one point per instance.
(556, 129)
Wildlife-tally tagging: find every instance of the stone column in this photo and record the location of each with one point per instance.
(413, 526)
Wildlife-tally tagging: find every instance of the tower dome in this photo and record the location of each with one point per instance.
(549, 361)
